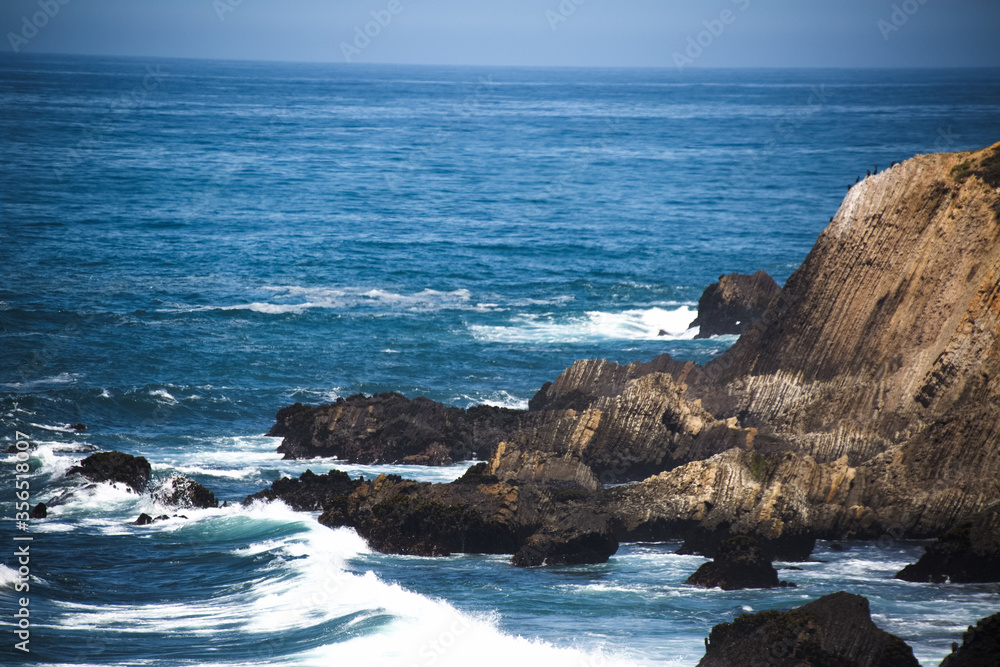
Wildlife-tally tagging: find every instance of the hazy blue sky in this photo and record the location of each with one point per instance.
(781, 33)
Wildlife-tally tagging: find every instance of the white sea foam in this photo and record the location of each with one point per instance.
(595, 325)
(164, 394)
(500, 399)
(8, 576)
(62, 378)
(298, 299)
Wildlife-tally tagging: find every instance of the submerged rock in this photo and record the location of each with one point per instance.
(739, 563)
(835, 630)
(731, 305)
(133, 471)
(968, 553)
(980, 645)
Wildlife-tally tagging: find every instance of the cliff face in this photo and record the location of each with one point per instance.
(890, 326)
(647, 427)
(874, 378)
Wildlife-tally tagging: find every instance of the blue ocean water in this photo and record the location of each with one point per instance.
(189, 246)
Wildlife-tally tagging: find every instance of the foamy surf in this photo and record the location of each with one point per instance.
(649, 324)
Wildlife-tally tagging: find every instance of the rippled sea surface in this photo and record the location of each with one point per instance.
(188, 246)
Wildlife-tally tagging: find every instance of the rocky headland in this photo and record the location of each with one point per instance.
(864, 402)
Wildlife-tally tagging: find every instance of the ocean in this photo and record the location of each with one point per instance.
(188, 246)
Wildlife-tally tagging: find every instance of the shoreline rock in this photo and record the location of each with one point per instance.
(132, 471)
(391, 428)
(864, 403)
(968, 553)
(733, 304)
(836, 629)
(739, 563)
(980, 645)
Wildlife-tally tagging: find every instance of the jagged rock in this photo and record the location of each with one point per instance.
(185, 492)
(40, 511)
(391, 428)
(835, 630)
(585, 381)
(143, 520)
(579, 548)
(133, 471)
(310, 491)
(418, 518)
(731, 305)
(647, 427)
(739, 563)
(968, 553)
(980, 645)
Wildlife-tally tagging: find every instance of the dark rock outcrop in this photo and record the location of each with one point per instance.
(183, 491)
(310, 491)
(786, 547)
(143, 520)
(739, 563)
(731, 305)
(968, 553)
(133, 471)
(540, 525)
(391, 428)
(40, 511)
(980, 645)
(835, 630)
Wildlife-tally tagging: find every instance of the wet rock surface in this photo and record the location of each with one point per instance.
(309, 491)
(183, 491)
(542, 526)
(835, 630)
(968, 553)
(739, 563)
(132, 471)
(980, 645)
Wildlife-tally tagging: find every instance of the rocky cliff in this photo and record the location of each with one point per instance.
(865, 402)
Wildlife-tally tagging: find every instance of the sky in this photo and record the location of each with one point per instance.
(576, 33)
